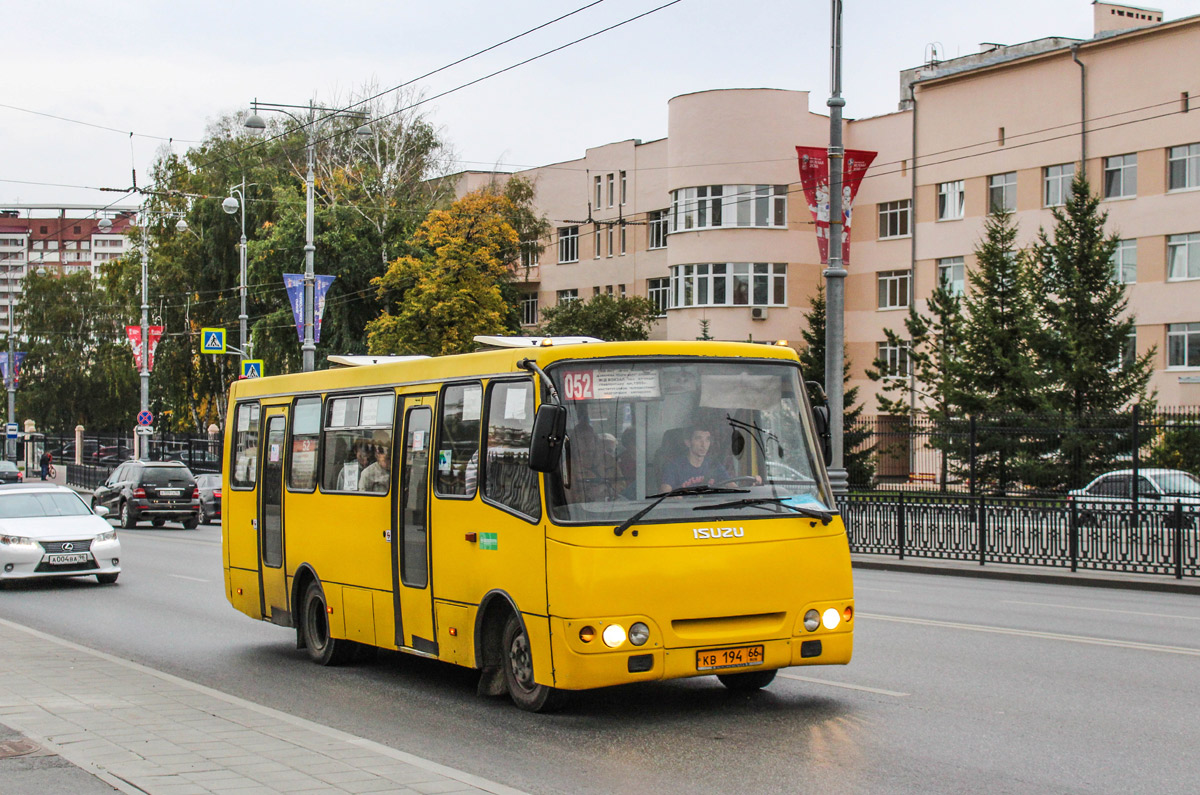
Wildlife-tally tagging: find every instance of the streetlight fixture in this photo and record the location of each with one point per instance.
(316, 116)
(232, 203)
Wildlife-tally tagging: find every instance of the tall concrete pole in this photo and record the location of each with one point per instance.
(835, 273)
(309, 349)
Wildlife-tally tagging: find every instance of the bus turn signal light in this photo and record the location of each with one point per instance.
(848, 613)
(587, 634)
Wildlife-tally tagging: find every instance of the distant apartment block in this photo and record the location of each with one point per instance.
(711, 224)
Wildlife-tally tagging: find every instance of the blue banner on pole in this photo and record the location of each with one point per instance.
(17, 357)
(294, 282)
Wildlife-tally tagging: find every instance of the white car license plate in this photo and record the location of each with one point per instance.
(169, 492)
(64, 559)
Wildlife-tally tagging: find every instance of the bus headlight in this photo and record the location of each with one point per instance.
(831, 618)
(639, 633)
(614, 635)
(812, 620)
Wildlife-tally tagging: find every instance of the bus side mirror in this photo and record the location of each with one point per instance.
(821, 426)
(549, 430)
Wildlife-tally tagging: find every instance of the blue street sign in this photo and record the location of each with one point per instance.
(11, 429)
(212, 340)
(145, 417)
(252, 368)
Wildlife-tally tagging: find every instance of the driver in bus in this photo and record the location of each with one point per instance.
(695, 467)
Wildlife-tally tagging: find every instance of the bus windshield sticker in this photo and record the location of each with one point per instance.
(489, 541)
(418, 441)
(443, 460)
(472, 403)
(741, 391)
(243, 416)
(514, 402)
(274, 454)
(609, 384)
(369, 413)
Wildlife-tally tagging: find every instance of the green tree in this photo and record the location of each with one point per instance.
(606, 317)
(440, 299)
(857, 453)
(1084, 348)
(1001, 373)
(79, 368)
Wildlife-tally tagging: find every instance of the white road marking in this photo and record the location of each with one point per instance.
(864, 688)
(1029, 633)
(1102, 610)
(193, 579)
(858, 588)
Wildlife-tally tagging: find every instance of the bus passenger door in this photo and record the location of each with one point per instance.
(410, 541)
(271, 571)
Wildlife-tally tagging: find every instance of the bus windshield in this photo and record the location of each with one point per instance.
(636, 429)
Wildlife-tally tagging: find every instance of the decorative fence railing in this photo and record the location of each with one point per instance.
(1143, 538)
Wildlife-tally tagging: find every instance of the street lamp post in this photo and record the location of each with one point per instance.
(257, 126)
(235, 201)
(835, 273)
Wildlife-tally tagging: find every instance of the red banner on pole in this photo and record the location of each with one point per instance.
(814, 179)
(134, 333)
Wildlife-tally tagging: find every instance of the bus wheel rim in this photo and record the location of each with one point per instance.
(520, 661)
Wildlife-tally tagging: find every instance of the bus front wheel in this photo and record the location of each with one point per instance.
(322, 647)
(518, 671)
(751, 680)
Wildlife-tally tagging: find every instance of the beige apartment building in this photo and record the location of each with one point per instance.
(711, 222)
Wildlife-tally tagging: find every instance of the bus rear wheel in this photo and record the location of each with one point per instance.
(322, 647)
(751, 680)
(518, 671)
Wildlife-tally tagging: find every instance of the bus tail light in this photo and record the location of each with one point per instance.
(587, 634)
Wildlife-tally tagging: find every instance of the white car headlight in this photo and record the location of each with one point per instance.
(111, 535)
(17, 541)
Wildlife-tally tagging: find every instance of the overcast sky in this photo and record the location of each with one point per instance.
(168, 68)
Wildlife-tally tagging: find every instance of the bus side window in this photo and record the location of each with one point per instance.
(458, 440)
(304, 451)
(245, 447)
(507, 478)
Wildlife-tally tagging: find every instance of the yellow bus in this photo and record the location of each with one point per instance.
(561, 514)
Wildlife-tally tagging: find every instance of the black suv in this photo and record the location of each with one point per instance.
(158, 491)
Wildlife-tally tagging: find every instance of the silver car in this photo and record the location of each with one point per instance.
(49, 531)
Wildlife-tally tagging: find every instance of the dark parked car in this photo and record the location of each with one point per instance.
(153, 490)
(9, 473)
(210, 497)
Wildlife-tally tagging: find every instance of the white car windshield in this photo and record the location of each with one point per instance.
(639, 428)
(30, 506)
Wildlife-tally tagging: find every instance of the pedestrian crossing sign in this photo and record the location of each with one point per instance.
(252, 368)
(212, 340)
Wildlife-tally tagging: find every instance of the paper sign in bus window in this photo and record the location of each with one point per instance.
(443, 461)
(472, 403)
(608, 384)
(514, 403)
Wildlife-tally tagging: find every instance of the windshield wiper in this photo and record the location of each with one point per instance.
(677, 492)
(761, 502)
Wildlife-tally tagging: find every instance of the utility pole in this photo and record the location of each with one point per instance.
(835, 273)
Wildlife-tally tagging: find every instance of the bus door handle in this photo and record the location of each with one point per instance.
(472, 537)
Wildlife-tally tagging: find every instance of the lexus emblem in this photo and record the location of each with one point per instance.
(67, 547)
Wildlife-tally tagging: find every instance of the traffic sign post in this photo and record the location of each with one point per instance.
(252, 368)
(144, 418)
(11, 430)
(212, 340)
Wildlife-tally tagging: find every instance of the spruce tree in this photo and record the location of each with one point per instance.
(1087, 330)
(857, 454)
(1001, 373)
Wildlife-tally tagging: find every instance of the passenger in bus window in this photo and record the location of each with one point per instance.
(695, 467)
(353, 469)
(375, 478)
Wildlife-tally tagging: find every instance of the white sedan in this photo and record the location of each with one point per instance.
(48, 531)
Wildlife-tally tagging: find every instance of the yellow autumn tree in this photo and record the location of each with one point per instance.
(437, 301)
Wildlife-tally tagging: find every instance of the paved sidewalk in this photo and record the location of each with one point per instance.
(142, 731)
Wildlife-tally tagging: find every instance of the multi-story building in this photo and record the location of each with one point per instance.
(711, 222)
(56, 238)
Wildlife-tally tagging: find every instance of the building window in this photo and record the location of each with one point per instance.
(622, 240)
(1124, 262)
(1120, 176)
(1129, 352)
(1183, 256)
(894, 288)
(729, 284)
(952, 201)
(1183, 167)
(610, 190)
(1056, 184)
(1183, 345)
(894, 359)
(598, 182)
(624, 188)
(596, 247)
(568, 244)
(567, 296)
(712, 206)
(952, 275)
(656, 221)
(610, 240)
(894, 218)
(596, 291)
(530, 252)
(1002, 192)
(529, 309)
(659, 293)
